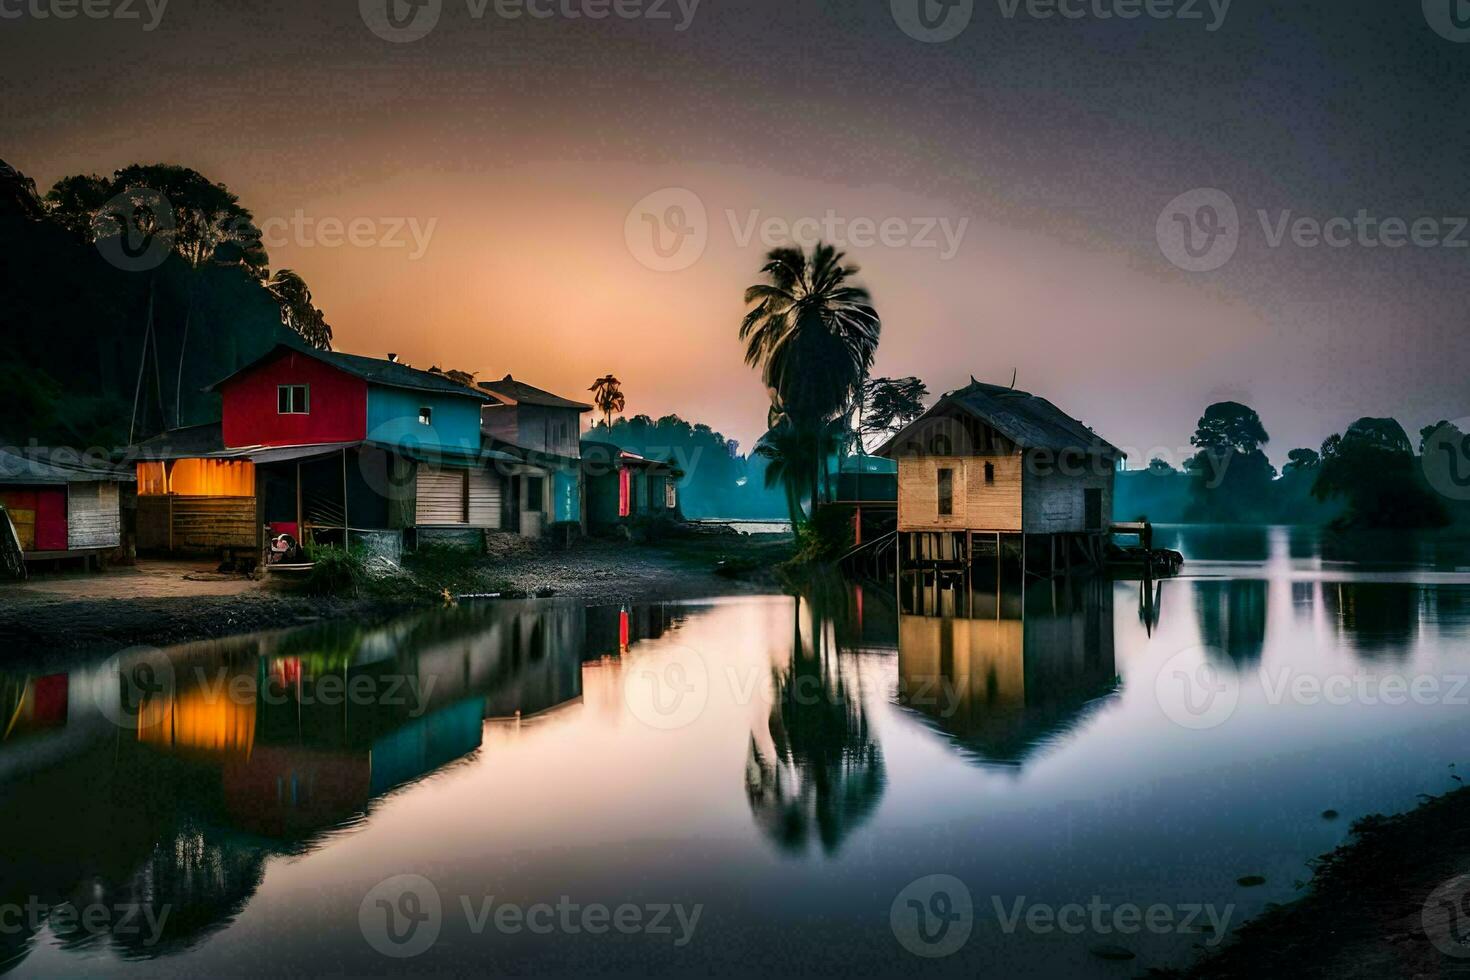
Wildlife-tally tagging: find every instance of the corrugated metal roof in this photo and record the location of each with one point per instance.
(47, 467)
(514, 392)
(378, 371)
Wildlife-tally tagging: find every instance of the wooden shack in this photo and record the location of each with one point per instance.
(991, 470)
(62, 505)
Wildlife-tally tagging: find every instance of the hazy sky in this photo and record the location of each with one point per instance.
(1013, 193)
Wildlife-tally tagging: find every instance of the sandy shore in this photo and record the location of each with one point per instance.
(161, 603)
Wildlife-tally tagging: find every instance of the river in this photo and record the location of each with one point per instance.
(940, 775)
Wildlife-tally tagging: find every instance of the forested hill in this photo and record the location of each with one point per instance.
(74, 330)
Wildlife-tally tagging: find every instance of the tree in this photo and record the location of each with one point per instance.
(297, 309)
(1232, 474)
(18, 194)
(608, 397)
(1299, 460)
(1160, 467)
(1372, 467)
(813, 334)
(1452, 434)
(889, 404)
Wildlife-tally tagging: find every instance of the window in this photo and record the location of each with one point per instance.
(989, 472)
(293, 400)
(946, 493)
(426, 416)
(535, 494)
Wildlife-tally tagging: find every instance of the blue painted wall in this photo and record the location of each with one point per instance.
(393, 417)
(566, 493)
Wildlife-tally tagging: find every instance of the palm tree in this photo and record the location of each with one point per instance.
(813, 334)
(608, 397)
(297, 310)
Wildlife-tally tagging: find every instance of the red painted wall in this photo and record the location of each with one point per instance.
(338, 404)
(49, 506)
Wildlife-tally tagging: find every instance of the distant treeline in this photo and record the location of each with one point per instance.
(719, 481)
(1370, 475)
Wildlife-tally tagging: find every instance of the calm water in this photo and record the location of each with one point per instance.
(752, 786)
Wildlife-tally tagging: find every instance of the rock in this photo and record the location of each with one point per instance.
(1250, 881)
(1330, 814)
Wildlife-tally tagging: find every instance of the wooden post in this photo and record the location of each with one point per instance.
(346, 524)
(300, 518)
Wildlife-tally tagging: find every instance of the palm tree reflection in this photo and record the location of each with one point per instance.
(816, 772)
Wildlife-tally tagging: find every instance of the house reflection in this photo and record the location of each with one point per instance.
(256, 746)
(1004, 672)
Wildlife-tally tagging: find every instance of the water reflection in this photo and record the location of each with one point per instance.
(816, 772)
(1377, 620)
(1005, 672)
(258, 746)
(1232, 616)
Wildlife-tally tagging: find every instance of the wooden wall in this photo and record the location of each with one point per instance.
(200, 525)
(1054, 495)
(94, 516)
(978, 505)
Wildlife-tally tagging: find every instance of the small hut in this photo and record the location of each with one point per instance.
(61, 504)
(1006, 469)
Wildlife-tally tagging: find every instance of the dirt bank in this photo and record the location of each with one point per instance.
(1364, 915)
(161, 603)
